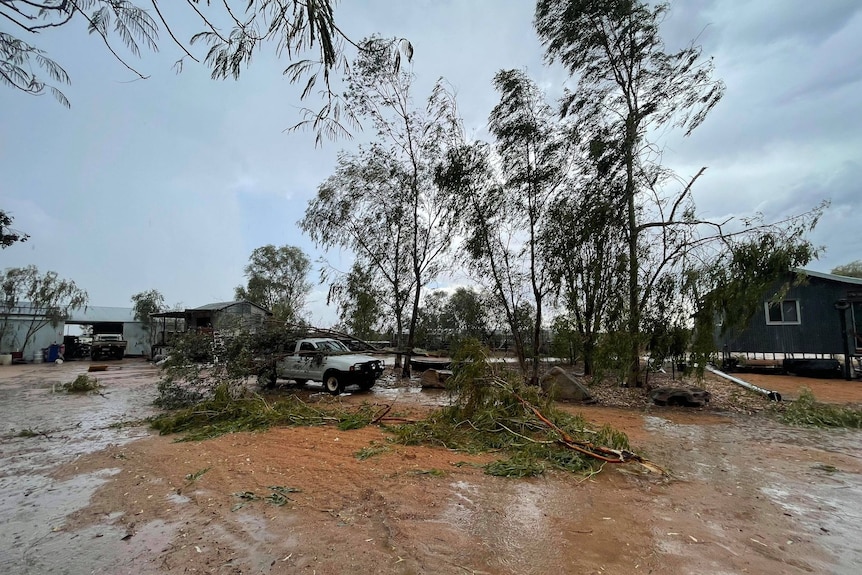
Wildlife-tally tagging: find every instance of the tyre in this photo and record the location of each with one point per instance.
(366, 384)
(332, 383)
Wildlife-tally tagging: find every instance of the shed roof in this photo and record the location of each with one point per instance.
(88, 314)
(102, 314)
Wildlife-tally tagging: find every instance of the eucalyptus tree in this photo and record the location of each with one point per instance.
(304, 32)
(50, 299)
(359, 301)
(387, 206)
(585, 248)
(354, 209)
(484, 221)
(629, 88)
(628, 84)
(277, 279)
(535, 163)
(146, 303)
(430, 329)
(466, 314)
(503, 194)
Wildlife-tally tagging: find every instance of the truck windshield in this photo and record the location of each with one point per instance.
(331, 345)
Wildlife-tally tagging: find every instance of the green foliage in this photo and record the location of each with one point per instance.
(382, 202)
(806, 410)
(521, 465)
(27, 433)
(277, 280)
(49, 296)
(296, 29)
(146, 303)
(371, 451)
(445, 320)
(753, 268)
(227, 413)
(489, 415)
(198, 364)
(851, 270)
(359, 301)
(565, 339)
(8, 235)
(629, 86)
(501, 196)
(82, 384)
(584, 244)
(358, 419)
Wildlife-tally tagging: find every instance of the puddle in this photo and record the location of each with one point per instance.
(786, 462)
(66, 426)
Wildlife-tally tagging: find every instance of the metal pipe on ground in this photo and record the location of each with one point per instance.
(772, 395)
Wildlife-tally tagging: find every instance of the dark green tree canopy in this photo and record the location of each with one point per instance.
(277, 280)
(146, 303)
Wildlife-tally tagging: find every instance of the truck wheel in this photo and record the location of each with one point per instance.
(267, 378)
(366, 384)
(332, 383)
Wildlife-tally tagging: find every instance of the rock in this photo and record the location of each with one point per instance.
(435, 378)
(560, 385)
(683, 396)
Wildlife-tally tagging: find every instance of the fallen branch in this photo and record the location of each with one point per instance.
(599, 452)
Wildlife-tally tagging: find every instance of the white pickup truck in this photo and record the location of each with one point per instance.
(325, 360)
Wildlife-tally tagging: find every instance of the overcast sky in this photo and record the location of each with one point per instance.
(171, 182)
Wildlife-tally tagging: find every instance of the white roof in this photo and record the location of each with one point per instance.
(102, 314)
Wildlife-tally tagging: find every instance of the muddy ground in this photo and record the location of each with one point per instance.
(84, 492)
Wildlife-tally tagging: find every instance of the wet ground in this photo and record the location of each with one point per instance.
(85, 492)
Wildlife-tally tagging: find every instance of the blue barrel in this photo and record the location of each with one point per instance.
(53, 352)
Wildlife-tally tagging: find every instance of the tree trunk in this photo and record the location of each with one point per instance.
(399, 324)
(589, 353)
(634, 308)
(537, 340)
(411, 335)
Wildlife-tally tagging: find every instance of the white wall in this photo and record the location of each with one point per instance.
(45, 336)
(138, 338)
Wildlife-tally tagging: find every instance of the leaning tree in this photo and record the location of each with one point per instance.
(629, 88)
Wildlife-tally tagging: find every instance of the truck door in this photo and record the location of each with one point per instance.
(310, 362)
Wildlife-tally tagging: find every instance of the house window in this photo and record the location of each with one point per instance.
(784, 312)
